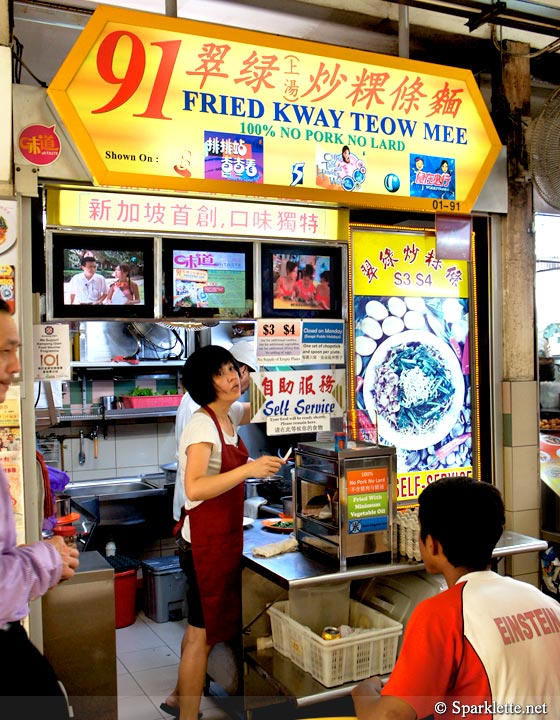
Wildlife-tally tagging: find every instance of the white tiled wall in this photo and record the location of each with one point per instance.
(127, 450)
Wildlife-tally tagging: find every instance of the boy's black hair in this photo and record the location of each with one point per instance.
(308, 270)
(4, 307)
(87, 258)
(465, 516)
(200, 369)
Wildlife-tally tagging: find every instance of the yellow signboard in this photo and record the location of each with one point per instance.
(99, 209)
(404, 264)
(158, 102)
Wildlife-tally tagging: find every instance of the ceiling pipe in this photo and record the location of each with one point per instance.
(404, 32)
(171, 8)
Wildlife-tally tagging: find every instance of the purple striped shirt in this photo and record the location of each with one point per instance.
(26, 571)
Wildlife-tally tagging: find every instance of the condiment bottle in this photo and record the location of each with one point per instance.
(67, 532)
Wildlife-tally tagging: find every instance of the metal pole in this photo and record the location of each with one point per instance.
(171, 8)
(404, 32)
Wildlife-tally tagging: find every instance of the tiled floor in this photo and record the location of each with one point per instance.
(147, 661)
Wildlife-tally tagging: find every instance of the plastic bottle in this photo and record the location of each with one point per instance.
(110, 549)
(67, 532)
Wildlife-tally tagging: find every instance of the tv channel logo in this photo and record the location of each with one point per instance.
(297, 173)
(392, 182)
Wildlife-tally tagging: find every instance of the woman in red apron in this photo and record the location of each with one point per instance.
(211, 539)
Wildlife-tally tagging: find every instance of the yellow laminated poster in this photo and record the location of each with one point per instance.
(7, 286)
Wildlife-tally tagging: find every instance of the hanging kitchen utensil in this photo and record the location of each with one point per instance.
(94, 436)
(82, 455)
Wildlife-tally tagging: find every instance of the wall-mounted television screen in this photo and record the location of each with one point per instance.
(207, 279)
(301, 281)
(93, 277)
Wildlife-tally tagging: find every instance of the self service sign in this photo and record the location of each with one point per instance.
(158, 102)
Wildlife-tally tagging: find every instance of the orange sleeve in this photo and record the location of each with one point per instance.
(430, 653)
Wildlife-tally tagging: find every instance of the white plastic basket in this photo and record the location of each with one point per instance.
(334, 662)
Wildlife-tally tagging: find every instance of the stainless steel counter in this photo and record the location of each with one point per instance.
(298, 570)
(79, 637)
(267, 580)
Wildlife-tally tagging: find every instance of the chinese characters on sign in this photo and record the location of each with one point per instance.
(39, 145)
(166, 214)
(411, 318)
(285, 118)
(297, 400)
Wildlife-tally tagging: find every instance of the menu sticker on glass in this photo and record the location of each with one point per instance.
(368, 500)
(8, 224)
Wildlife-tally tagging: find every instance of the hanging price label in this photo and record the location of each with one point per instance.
(280, 328)
(279, 341)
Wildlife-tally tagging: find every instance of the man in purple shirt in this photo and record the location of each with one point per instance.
(28, 686)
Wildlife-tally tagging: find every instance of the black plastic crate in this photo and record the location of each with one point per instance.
(122, 563)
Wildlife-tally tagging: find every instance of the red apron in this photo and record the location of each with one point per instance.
(217, 548)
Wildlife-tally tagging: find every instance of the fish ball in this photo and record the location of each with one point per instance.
(460, 330)
(371, 328)
(415, 303)
(376, 310)
(397, 306)
(358, 363)
(392, 325)
(414, 320)
(365, 345)
(452, 310)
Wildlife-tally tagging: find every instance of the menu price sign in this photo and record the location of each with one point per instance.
(279, 342)
(303, 342)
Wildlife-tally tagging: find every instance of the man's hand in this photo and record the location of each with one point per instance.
(370, 705)
(365, 695)
(68, 555)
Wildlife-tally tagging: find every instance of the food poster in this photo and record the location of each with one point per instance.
(8, 224)
(10, 454)
(412, 358)
(550, 460)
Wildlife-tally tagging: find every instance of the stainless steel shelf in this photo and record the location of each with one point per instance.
(291, 682)
(125, 414)
(135, 413)
(141, 364)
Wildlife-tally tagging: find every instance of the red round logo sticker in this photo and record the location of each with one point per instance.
(39, 144)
